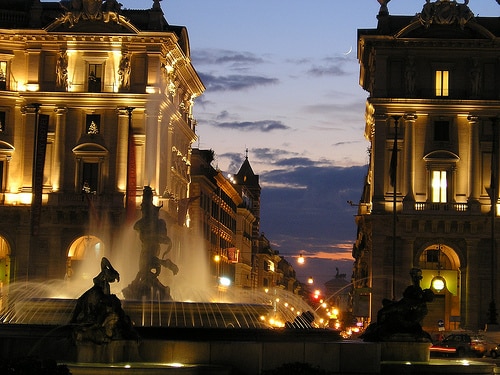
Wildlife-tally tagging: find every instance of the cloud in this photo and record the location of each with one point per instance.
(217, 57)
(234, 82)
(333, 66)
(295, 161)
(316, 220)
(262, 126)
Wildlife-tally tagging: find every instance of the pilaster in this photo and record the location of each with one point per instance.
(59, 149)
(474, 164)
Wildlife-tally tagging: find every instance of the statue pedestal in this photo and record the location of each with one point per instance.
(112, 352)
(405, 351)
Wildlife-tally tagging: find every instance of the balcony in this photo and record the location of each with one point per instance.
(436, 207)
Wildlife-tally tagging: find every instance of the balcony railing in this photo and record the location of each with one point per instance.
(442, 207)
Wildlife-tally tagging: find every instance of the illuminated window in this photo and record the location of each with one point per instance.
(90, 177)
(3, 75)
(93, 124)
(92, 160)
(94, 77)
(439, 187)
(442, 83)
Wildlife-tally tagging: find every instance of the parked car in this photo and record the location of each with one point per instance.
(495, 351)
(460, 345)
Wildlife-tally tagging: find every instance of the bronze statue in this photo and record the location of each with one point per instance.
(152, 232)
(98, 316)
(401, 320)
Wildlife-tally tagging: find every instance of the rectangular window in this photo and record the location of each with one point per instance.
(439, 187)
(90, 177)
(1, 175)
(94, 77)
(441, 131)
(432, 256)
(442, 83)
(3, 75)
(2, 122)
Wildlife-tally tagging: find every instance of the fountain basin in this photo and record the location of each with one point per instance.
(49, 311)
(216, 351)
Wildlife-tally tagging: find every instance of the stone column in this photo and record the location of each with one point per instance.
(151, 151)
(59, 148)
(380, 172)
(471, 293)
(474, 164)
(122, 150)
(410, 119)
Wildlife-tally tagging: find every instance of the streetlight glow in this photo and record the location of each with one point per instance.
(300, 259)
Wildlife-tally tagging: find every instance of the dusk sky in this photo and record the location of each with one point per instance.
(281, 79)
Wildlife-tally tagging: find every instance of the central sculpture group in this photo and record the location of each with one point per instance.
(98, 315)
(153, 233)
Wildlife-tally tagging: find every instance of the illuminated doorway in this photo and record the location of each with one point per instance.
(441, 273)
(4, 269)
(84, 258)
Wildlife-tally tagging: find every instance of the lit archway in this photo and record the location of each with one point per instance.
(84, 258)
(440, 265)
(4, 263)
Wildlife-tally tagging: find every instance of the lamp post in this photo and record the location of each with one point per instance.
(131, 170)
(393, 179)
(492, 312)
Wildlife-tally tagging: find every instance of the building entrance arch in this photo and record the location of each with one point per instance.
(5, 252)
(440, 265)
(83, 261)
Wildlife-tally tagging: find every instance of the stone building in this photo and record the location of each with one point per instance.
(220, 216)
(432, 122)
(95, 103)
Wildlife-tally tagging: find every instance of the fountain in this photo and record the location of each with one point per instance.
(145, 326)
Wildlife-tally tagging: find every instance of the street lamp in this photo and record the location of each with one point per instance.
(300, 259)
(438, 283)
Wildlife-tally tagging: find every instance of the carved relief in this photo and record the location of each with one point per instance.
(124, 72)
(90, 10)
(445, 13)
(62, 70)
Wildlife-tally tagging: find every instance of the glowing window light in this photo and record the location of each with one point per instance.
(442, 85)
(439, 185)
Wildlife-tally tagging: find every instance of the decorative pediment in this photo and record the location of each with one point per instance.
(6, 148)
(441, 13)
(92, 15)
(442, 156)
(445, 12)
(94, 149)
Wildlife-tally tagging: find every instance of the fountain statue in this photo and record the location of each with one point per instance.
(153, 232)
(98, 316)
(401, 320)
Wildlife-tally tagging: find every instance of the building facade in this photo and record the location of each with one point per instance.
(221, 218)
(432, 123)
(95, 103)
